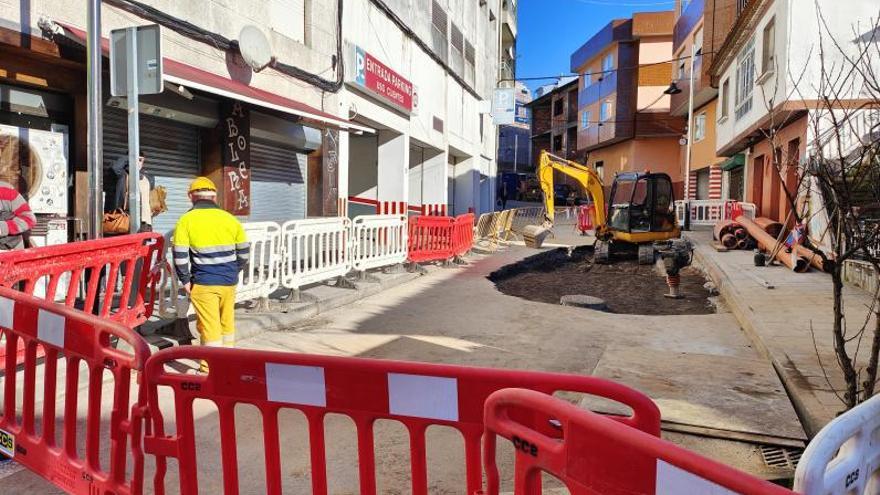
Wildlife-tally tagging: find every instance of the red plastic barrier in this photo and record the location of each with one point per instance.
(585, 215)
(120, 258)
(415, 394)
(70, 340)
(597, 455)
(431, 239)
(464, 234)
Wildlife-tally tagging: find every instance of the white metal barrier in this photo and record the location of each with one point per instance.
(709, 211)
(378, 240)
(844, 458)
(314, 250)
(260, 278)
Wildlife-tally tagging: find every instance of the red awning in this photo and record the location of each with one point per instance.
(179, 73)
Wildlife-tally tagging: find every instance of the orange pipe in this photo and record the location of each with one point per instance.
(792, 260)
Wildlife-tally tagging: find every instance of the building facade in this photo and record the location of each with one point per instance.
(700, 29)
(341, 112)
(514, 140)
(554, 123)
(771, 79)
(624, 122)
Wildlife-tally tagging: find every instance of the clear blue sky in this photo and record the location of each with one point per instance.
(550, 30)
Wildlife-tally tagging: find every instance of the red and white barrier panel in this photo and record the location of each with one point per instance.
(586, 218)
(415, 394)
(594, 454)
(130, 261)
(70, 340)
(431, 239)
(463, 232)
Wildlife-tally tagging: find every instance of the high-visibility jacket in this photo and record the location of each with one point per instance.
(214, 242)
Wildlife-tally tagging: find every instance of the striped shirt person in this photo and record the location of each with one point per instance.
(210, 249)
(16, 217)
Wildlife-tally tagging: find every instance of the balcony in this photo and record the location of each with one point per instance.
(508, 21)
(598, 90)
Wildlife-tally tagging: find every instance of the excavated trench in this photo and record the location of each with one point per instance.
(625, 286)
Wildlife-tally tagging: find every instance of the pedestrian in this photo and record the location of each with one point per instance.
(16, 218)
(146, 183)
(210, 249)
(502, 195)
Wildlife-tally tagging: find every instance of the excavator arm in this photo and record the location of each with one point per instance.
(586, 177)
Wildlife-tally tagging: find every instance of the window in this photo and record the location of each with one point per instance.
(585, 119)
(557, 107)
(557, 144)
(608, 63)
(700, 127)
(768, 47)
(698, 41)
(725, 96)
(588, 79)
(684, 6)
(745, 79)
(439, 27)
(605, 111)
(682, 73)
(600, 169)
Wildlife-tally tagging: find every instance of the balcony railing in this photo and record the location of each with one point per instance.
(598, 90)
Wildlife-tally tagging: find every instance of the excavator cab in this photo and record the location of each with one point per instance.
(641, 202)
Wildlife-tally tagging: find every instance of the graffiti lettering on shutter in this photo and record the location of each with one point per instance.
(236, 130)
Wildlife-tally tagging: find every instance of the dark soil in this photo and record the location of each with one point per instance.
(626, 286)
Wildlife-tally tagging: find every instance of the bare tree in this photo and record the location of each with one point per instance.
(842, 166)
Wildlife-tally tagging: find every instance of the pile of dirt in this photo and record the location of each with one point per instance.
(626, 286)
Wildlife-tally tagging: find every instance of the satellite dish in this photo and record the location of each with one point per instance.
(254, 47)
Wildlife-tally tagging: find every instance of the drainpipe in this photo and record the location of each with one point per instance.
(95, 137)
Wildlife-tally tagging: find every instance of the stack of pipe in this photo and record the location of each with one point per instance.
(793, 259)
(732, 235)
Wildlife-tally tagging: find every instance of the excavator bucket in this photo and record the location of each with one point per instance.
(534, 235)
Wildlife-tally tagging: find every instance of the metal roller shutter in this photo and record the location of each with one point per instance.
(172, 150)
(278, 186)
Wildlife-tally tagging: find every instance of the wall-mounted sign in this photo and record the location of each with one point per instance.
(236, 128)
(503, 106)
(522, 114)
(377, 79)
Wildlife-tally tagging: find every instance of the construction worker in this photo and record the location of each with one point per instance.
(213, 242)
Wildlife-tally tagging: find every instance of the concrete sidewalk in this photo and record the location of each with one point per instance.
(251, 320)
(790, 324)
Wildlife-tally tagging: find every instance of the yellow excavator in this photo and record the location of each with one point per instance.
(641, 210)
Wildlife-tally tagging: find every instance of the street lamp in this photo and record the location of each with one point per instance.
(673, 89)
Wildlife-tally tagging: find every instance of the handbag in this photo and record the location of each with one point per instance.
(116, 222)
(157, 200)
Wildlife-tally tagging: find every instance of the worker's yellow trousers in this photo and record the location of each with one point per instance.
(215, 314)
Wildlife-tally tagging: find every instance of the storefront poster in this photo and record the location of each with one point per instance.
(235, 124)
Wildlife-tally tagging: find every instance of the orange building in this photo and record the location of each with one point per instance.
(623, 114)
(701, 30)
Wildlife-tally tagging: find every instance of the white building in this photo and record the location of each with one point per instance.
(420, 80)
(769, 72)
(378, 100)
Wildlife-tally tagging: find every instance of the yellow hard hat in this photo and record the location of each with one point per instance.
(202, 184)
